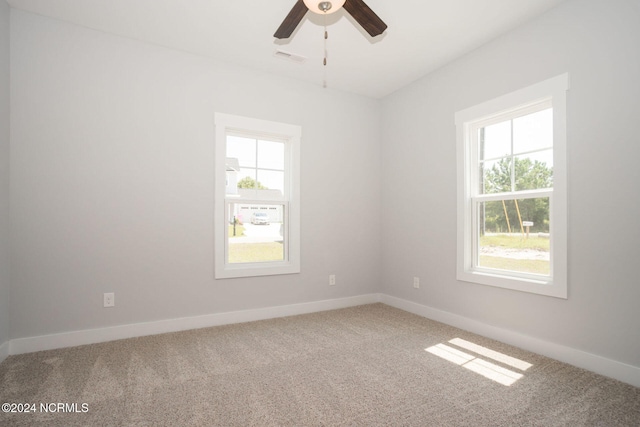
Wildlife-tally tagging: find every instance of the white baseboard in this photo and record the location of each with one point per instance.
(4, 350)
(591, 362)
(598, 364)
(91, 336)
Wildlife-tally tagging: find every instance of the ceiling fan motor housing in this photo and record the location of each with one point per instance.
(324, 7)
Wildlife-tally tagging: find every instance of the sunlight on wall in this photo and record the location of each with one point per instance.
(483, 367)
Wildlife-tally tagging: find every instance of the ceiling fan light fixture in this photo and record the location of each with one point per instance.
(358, 10)
(324, 7)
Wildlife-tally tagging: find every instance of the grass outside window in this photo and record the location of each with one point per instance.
(515, 253)
(256, 252)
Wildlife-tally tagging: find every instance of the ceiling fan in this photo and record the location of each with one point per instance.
(356, 8)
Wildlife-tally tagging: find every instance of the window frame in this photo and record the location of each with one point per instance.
(516, 103)
(290, 135)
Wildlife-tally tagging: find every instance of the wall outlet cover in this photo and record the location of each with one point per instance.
(109, 299)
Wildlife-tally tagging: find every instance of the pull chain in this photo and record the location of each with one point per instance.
(324, 61)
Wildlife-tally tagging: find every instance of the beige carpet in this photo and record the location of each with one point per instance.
(364, 366)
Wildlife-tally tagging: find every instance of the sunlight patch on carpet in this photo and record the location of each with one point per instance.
(487, 369)
(495, 355)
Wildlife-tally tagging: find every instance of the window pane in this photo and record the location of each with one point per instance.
(257, 234)
(513, 235)
(243, 149)
(533, 131)
(272, 181)
(534, 170)
(270, 155)
(247, 178)
(495, 141)
(242, 184)
(496, 176)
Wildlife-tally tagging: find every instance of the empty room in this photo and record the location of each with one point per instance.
(310, 213)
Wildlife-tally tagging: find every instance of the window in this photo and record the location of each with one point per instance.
(512, 204)
(257, 200)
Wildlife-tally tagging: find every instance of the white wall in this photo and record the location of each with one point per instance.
(4, 178)
(112, 181)
(598, 43)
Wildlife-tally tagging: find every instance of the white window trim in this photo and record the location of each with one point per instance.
(555, 286)
(225, 123)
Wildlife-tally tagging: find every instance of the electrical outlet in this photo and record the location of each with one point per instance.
(109, 299)
(332, 279)
(416, 282)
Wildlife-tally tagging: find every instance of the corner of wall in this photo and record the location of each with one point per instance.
(4, 178)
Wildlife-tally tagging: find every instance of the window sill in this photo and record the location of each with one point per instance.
(256, 270)
(542, 286)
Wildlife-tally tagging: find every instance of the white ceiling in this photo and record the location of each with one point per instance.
(422, 35)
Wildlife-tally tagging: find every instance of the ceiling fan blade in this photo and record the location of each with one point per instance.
(292, 20)
(365, 17)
